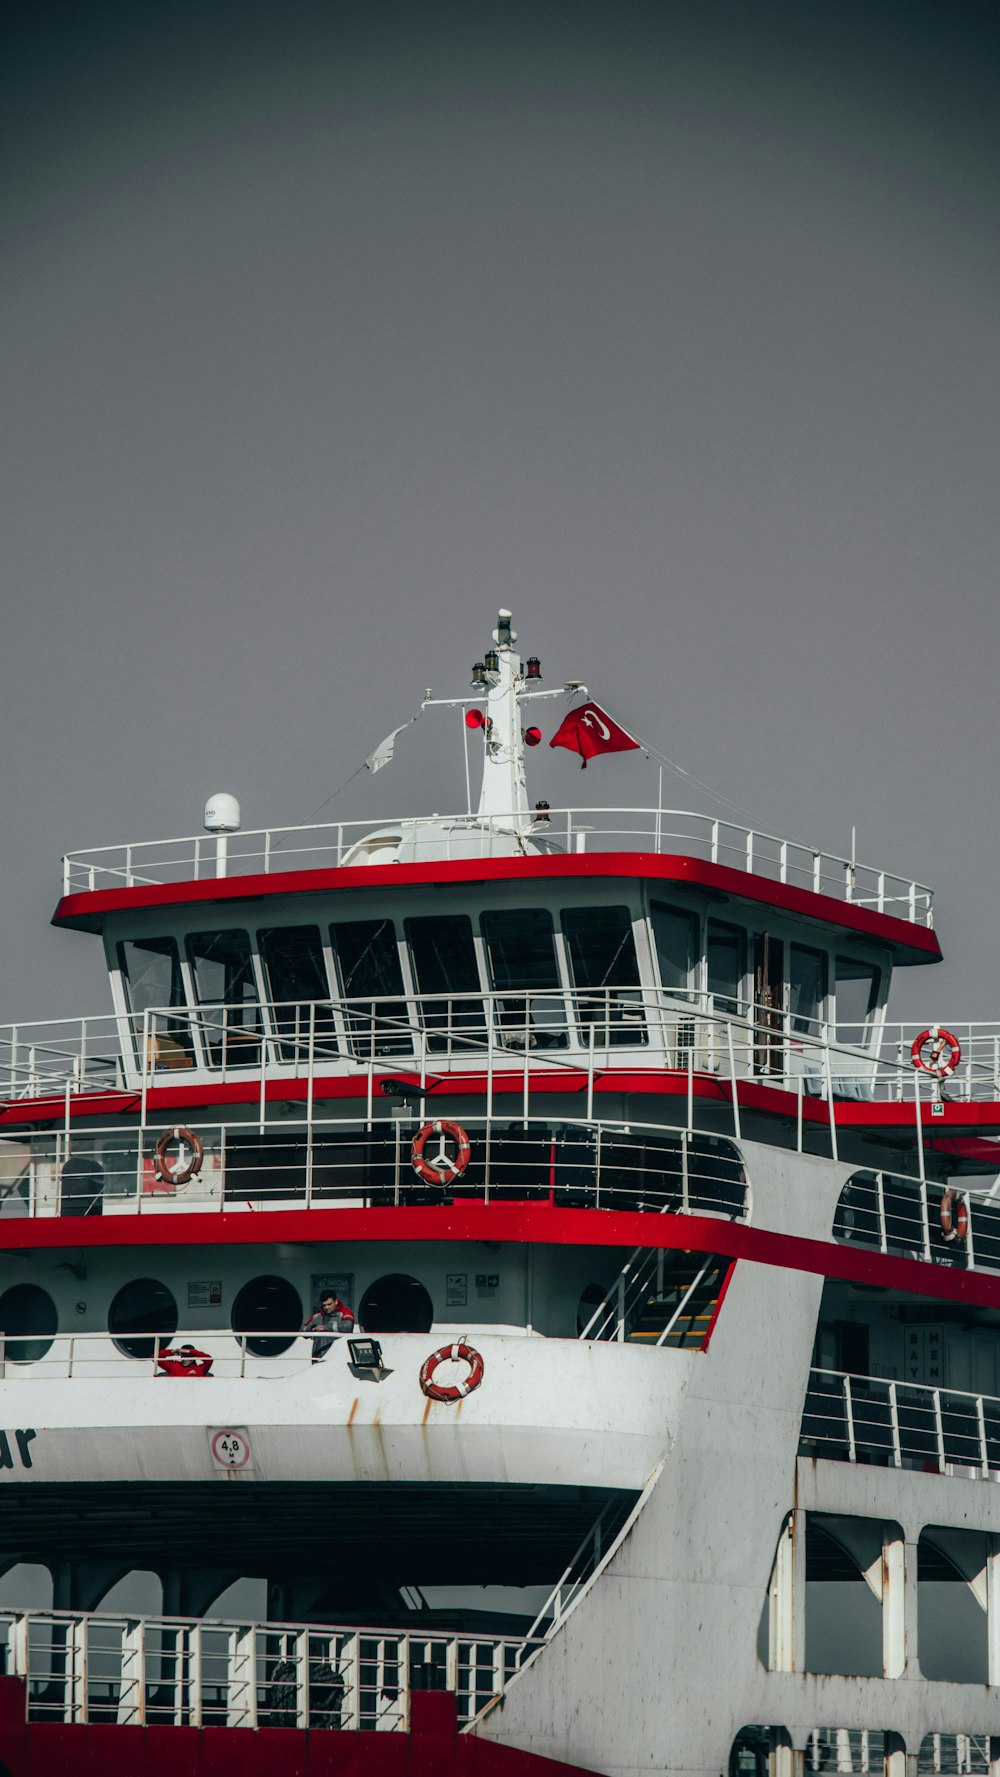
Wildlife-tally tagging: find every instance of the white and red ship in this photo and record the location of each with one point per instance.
(657, 1424)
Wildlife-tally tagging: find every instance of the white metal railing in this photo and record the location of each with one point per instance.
(919, 1218)
(268, 849)
(901, 1424)
(489, 1032)
(189, 1672)
(593, 1552)
(580, 1163)
(643, 1280)
(185, 1354)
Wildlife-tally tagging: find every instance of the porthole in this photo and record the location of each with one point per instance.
(141, 1308)
(26, 1310)
(396, 1304)
(267, 1305)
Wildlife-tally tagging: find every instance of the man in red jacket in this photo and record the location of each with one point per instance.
(187, 1360)
(332, 1316)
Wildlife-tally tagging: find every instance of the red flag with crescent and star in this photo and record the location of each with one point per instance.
(589, 730)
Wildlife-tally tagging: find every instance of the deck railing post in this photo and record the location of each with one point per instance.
(849, 1418)
(984, 1460)
(732, 1080)
(897, 1453)
(939, 1428)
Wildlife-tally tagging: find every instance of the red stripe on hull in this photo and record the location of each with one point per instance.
(657, 1082)
(432, 1748)
(912, 943)
(538, 1224)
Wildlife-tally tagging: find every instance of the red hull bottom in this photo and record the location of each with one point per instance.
(432, 1748)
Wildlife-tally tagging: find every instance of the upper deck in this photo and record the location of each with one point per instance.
(95, 880)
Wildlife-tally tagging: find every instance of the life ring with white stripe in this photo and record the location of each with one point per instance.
(953, 1214)
(944, 1052)
(450, 1158)
(190, 1154)
(436, 1391)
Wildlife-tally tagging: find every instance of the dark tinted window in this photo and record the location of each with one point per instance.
(81, 1186)
(267, 1305)
(368, 960)
(222, 968)
(151, 971)
(600, 946)
(806, 988)
(726, 965)
(396, 1304)
(443, 954)
(25, 1310)
(857, 997)
(601, 951)
(675, 934)
(295, 970)
(521, 953)
(142, 1307)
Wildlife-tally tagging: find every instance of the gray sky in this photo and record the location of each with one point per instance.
(328, 328)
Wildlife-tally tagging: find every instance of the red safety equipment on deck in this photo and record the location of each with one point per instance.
(944, 1053)
(438, 1167)
(953, 1214)
(458, 1390)
(183, 1168)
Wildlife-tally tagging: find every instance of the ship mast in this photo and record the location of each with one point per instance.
(504, 793)
(504, 682)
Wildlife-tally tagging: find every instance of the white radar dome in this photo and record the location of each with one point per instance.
(222, 814)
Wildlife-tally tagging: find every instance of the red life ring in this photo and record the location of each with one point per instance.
(440, 1167)
(938, 1064)
(457, 1392)
(953, 1214)
(183, 1170)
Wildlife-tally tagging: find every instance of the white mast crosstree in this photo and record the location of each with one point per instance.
(502, 682)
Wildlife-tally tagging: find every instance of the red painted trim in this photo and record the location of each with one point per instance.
(912, 943)
(432, 1748)
(168, 1101)
(726, 1281)
(537, 1224)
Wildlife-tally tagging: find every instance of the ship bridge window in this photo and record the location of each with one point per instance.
(727, 964)
(140, 1310)
(605, 972)
(226, 992)
(443, 953)
(806, 989)
(151, 971)
(675, 934)
(295, 970)
(28, 1321)
(371, 976)
(520, 947)
(857, 996)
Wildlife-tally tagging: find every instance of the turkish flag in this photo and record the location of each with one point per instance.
(589, 730)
